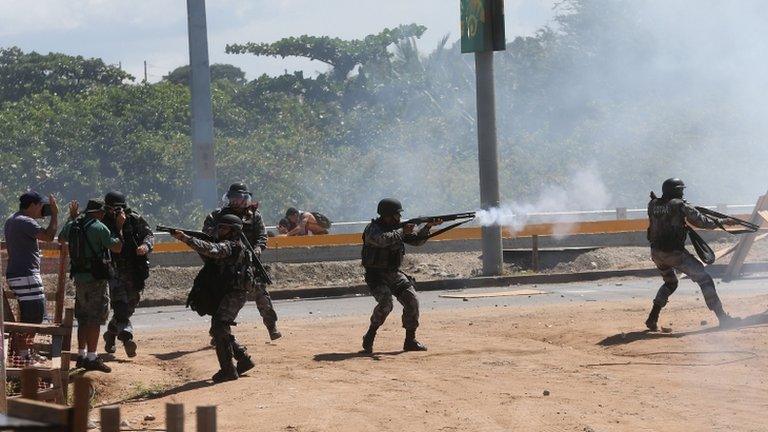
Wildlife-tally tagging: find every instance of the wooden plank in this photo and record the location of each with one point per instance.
(81, 398)
(733, 270)
(110, 419)
(61, 283)
(174, 417)
(39, 411)
(206, 419)
(29, 383)
(522, 292)
(46, 329)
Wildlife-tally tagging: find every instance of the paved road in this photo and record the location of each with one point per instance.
(601, 291)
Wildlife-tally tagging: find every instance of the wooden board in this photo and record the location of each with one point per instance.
(512, 293)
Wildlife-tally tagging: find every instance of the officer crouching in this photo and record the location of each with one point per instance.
(383, 250)
(231, 262)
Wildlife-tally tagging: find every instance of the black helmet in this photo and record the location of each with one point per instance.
(388, 207)
(237, 188)
(114, 199)
(231, 221)
(673, 187)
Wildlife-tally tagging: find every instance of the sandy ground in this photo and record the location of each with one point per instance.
(487, 369)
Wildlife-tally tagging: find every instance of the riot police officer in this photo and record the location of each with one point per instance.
(383, 250)
(667, 233)
(239, 203)
(230, 260)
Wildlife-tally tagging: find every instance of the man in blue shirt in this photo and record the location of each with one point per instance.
(22, 231)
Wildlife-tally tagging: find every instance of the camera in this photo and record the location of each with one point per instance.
(46, 210)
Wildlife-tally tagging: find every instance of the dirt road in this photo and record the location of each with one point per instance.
(487, 369)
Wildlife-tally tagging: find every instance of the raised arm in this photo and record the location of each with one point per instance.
(49, 233)
(697, 219)
(207, 249)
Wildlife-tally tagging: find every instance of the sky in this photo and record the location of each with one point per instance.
(131, 32)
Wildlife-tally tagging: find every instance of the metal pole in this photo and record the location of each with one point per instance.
(204, 160)
(488, 159)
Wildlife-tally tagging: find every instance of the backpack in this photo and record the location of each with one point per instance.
(78, 262)
(322, 220)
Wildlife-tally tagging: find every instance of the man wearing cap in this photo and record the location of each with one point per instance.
(22, 232)
(131, 270)
(90, 242)
(240, 204)
(235, 278)
(383, 250)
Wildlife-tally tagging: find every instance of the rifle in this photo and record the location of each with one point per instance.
(261, 272)
(467, 216)
(749, 226)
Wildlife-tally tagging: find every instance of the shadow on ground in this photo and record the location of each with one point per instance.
(627, 338)
(177, 354)
(335, 357)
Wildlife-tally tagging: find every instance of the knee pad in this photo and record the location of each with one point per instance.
(386, 305)
(220, 330)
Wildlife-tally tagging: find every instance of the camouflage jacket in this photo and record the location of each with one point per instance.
(253, 225)
(384, 245)
(136, 231)
(232, 260)
(667, 223)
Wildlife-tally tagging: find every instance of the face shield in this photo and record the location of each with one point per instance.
(237, 200)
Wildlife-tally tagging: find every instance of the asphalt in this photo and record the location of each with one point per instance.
(606, 290)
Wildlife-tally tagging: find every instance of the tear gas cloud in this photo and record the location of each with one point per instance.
(586, 191)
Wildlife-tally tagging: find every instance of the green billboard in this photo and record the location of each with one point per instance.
(482, 26)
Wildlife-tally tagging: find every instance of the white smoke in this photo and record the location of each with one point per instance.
(585, 191)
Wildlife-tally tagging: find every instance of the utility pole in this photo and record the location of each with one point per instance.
(145, 71)
(204, 159)
(482, 33)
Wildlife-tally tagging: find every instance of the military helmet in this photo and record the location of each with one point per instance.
(673, 187)
(237, 189)
(389, 207)
(114, 199)
(231, 221)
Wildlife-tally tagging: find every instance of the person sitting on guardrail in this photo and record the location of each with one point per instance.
(302, 223)
(22, 231)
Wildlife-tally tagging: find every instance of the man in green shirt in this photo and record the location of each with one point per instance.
(90, 242)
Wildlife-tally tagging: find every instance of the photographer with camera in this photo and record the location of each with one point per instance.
(22, 231)
(131, 270)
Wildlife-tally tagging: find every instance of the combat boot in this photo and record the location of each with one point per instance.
(109, 342)
(653, 318)
(724, 319)
(227, 371)
(274, 333)
(368, 341)
(244, 361)
(411, 344)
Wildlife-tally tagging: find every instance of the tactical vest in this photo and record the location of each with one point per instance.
(382, 258)
(666, 227)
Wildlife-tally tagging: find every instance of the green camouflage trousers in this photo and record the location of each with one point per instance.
(385, 284)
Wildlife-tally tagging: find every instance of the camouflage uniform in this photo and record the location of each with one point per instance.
(383, 251)
(667, 233)
(131, 271)
(237, 278)
(256, 233)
